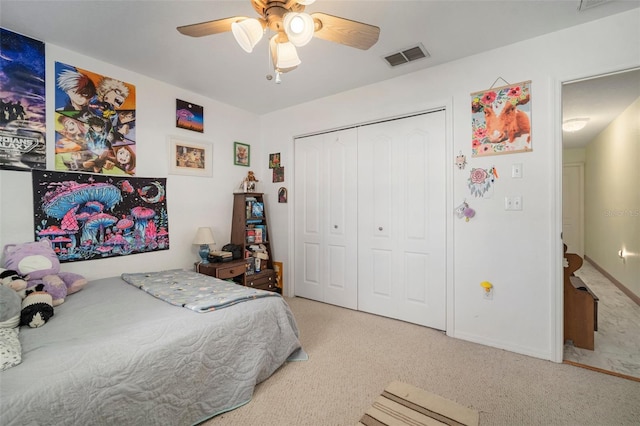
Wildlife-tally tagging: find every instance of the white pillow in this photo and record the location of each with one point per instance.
(10, 349)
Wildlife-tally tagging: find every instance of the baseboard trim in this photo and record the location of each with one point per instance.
(615, 282)
(601, 370)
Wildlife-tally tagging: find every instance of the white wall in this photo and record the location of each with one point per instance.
(612, 199)
(519, 252)
(192, 201)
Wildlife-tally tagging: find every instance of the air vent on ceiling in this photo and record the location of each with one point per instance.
(407, 55)
(588, 4)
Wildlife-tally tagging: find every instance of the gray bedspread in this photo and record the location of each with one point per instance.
(114, 355)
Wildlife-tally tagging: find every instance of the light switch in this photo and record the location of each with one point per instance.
(516, 170)
(508, 203)
(517, 202)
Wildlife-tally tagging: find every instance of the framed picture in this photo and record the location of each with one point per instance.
(277, 267)
(274, 160)
(501, 120)
(241, 154)
(189, 116)
(282, 195)
(278, 174)
(190, 157)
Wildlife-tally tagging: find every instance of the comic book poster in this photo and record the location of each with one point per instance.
(88, 216)
(22, 103)
(95, 122)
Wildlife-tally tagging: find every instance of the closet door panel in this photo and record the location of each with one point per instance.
(381, 278)
(341, 212)
(376, 239)
(412, 180)
(415, 270)
(325, 217)
(308, 253)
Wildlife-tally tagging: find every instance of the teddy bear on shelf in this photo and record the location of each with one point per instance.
(249, 183)
(39, 263)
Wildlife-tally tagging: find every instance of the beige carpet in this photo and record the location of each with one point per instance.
(402, 404)
(353, 356)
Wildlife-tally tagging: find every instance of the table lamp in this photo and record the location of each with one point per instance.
(204, 237)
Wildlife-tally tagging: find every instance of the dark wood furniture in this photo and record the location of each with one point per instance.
(236, 270)
(249, 230)
(223, 270)
(580, 305)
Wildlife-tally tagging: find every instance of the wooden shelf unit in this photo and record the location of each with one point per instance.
(244, 222)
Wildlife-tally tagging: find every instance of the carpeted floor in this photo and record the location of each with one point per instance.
(353, 356)
(617, 341)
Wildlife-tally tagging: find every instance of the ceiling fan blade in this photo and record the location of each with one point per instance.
(345, 31)
(209, 27)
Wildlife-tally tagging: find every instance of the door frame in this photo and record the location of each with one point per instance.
(447, 106)
(580, 167)
(556, 249)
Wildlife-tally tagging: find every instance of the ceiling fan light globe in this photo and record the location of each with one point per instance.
(247, 33)
(299, 28)
(284, 55)
(306, 2)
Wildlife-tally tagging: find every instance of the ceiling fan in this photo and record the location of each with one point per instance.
(292, 27)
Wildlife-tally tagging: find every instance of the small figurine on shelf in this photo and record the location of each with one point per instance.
(249, 183)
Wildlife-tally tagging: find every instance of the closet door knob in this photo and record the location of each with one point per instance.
(379, 228)
(335, 226)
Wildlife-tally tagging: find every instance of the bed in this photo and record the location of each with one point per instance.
(113, 354)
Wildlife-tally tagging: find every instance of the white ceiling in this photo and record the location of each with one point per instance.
(601, 99)
(141, 35)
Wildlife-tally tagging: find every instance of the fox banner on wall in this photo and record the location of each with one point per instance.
(95, 122)
(501, 120)
(22, 104)
(87, 216)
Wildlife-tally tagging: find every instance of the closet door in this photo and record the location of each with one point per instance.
(325, 206)
(402, 219)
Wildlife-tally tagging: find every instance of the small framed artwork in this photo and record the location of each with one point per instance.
(282, 195)
(189, 116)
(274, 160)
(278, 174)
(241, 154)
(277, 267)
(190, 157)
(501, 120)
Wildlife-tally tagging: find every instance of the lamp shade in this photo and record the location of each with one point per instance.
(284, 55)
(204, 236)
(248, 33)
(299, 28)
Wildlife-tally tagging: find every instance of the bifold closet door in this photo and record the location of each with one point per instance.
(402, 219)
(325, 212)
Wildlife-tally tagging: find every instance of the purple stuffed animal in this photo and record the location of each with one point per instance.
(39, 263)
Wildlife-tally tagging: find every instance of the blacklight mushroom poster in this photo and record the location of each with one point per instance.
(87, 216)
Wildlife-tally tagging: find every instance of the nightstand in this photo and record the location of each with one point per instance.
(223, 270)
